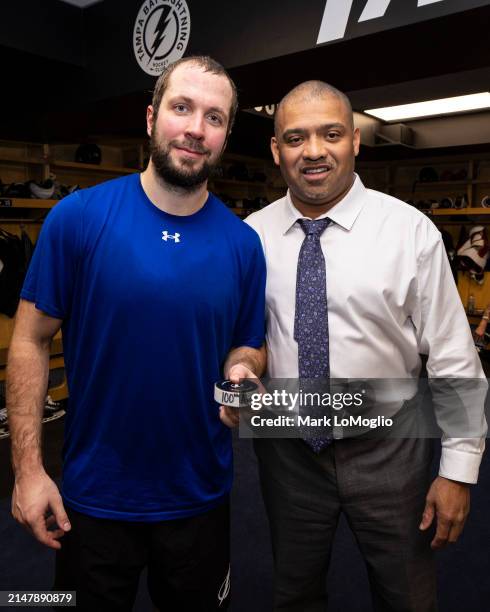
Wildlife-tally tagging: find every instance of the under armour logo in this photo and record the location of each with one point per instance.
(224, 589)
(175, 237)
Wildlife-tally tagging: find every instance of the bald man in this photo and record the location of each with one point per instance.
(391, 297)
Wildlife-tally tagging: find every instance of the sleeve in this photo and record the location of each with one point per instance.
(250, 323)
(457, 380)
(50, 279)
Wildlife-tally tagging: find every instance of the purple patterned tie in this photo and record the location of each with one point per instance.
(311, 315)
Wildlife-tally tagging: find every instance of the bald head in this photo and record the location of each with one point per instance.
(315, 145)
(307, 91)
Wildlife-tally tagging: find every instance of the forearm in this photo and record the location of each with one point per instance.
(27, 381)
(254, 359)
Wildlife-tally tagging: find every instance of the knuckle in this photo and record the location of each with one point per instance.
(444, 517)
(31, 518)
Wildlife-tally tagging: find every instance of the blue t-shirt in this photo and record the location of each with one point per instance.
(151, 305)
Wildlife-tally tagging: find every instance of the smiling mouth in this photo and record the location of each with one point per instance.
(315, 171)
(190, 151)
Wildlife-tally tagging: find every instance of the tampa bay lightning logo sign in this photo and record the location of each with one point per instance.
(161, 34)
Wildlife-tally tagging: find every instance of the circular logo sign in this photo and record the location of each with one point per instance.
(161, 34)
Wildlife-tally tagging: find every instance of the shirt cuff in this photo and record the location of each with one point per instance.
(459, 465)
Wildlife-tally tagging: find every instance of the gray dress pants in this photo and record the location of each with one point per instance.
(380, 485)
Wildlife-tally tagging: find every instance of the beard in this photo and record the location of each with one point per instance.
(186, 177)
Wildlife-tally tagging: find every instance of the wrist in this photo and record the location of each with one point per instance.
(29, 476)
(456, 482)
(26, 469)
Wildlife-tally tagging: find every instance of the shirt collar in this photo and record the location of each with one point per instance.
(344, 213)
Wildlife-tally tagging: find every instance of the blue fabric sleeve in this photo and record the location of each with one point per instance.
(250, 323)
(51, 275)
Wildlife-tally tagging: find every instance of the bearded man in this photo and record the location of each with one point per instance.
(159, 291)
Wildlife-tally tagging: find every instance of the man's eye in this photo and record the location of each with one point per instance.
(294, 140)
(180, 108)
(333, 135)
(216, 119)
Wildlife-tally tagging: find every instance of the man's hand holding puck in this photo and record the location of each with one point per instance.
(231, 416)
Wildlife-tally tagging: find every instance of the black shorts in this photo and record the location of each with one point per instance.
(188, 562)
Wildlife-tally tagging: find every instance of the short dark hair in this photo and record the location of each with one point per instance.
(208, 64)
(313, 90)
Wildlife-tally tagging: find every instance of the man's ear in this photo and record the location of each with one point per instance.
(149, 119)
(275, 150)
(356, 141)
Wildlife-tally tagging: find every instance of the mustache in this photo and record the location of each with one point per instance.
(191, 145)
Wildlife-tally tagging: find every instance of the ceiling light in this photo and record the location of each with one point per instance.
(81, 3)
(432, 108)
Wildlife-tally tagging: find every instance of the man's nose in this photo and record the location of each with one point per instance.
(315, 148)
(195, 126)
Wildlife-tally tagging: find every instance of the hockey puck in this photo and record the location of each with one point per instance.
(236, 395)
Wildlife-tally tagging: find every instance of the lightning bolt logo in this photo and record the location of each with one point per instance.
(159, 33)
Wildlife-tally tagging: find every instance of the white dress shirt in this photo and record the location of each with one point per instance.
(391, 297)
